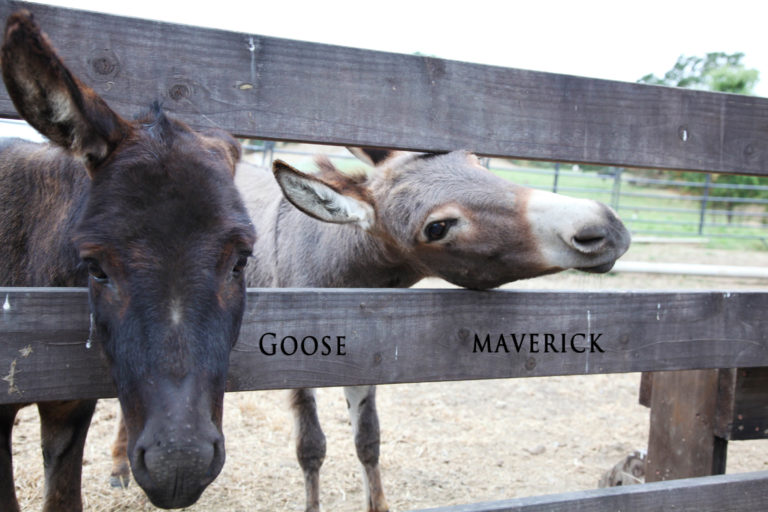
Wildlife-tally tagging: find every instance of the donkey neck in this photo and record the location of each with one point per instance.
(42, 191)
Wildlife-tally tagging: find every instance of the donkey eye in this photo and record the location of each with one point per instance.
(242, 261)
(437, 230)
(96, 272)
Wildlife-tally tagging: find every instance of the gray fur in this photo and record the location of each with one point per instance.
(296, 250)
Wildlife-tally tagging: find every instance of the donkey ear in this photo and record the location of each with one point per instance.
(323, 200)
(52, 100)
(372, 156)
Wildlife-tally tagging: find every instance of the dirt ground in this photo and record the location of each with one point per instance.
(443, 443)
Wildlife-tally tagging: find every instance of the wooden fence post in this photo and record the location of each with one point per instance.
(682, 441)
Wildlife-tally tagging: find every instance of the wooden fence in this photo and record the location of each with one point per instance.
(277, 89)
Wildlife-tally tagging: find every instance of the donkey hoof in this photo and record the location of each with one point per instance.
(630, 470)
(380, 507)
(119, 481)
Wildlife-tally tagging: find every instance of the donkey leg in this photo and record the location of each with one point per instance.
(310, 444)
(121, 468)
(63, 428)
(361, 401)
(7, 488)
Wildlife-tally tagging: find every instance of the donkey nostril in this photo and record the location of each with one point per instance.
(217, 461)
(589, 240)
(139, 466)
(140, 453)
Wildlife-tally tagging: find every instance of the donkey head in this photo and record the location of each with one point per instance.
(164, 237)
(450, 217)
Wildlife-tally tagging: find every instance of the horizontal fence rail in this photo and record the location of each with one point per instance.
(333, 337)
(271, 88)
(745, 492)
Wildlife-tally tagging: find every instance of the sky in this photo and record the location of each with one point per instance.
(615, 40)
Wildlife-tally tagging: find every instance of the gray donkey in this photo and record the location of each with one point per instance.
(417, 215)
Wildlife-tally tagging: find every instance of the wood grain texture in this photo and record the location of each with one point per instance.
(726, 396)
(744, 492)
(741, 410)
(280, 89)
(398, 336)
(746, 406)
(681, 438)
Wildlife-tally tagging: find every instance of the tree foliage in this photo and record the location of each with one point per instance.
(719, 72)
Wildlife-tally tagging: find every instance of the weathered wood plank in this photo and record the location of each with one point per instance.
(744, 492)
(743, 405)
(726, 395)
(273, 88)
(742, 402)
(43, 335)
(397, 336)
(681, 438)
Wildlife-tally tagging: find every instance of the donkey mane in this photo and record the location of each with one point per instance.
(155, 121)
(326, 170)
(425, 156)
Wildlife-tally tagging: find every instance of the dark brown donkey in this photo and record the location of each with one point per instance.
(146, 214)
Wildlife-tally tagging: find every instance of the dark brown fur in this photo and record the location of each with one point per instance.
(38, 187)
